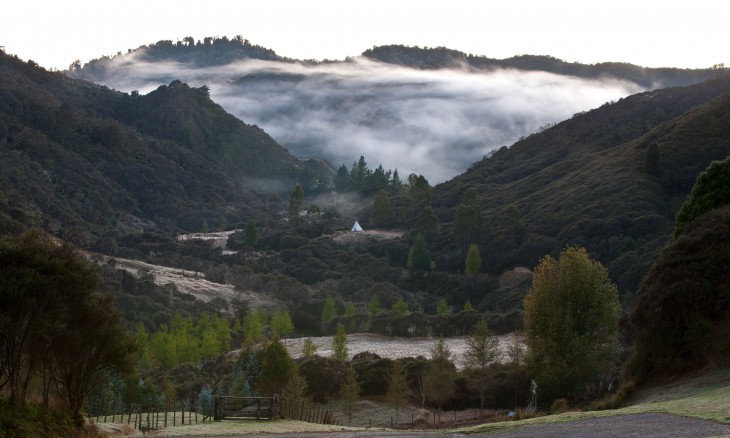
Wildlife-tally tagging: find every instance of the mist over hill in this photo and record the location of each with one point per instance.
(431, 118)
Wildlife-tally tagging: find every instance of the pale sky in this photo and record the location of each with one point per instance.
(668, 33)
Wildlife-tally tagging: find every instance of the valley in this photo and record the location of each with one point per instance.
(528, 222)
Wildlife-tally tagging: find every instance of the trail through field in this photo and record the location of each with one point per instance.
(394, 348)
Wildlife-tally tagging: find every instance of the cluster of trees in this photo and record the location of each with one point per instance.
(365, 181)
(184, 340)
(57, 334)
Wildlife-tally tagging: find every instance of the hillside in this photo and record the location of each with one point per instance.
(611, 179)
(88, 163)
(425, 111)
(441, 57)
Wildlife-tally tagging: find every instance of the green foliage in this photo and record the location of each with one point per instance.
(440, 374)
(374, 306)
(468, 307)
(400, 306)
(350, 309)
(254, 323)
(339, 344)
(382, 211)
(277, 368)
(365, 181)
(482, 349)
(427, 223)
(329, 311)
(473, 260)
(281, 324)
(350, 392)
(54, 327)
(652, 161)
(442, 308)
(295, 203)
(712, 190)
(309, 349)
(418, 257)
(680, 312)
(252, 234)
(467, 224)
(296, 387)
(430, 58)
(571, 326)
(184, 341)
(398, 390)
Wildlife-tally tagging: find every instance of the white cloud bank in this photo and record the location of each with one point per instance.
(434, 123)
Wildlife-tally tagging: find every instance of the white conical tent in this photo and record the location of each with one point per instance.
(356, 228)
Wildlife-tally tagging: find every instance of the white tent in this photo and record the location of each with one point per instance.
(356, 228)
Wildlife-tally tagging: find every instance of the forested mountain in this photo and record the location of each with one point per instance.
(611, 179)
(88, 163)
(441, 57)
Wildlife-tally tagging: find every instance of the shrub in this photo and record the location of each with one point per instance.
(559, 406)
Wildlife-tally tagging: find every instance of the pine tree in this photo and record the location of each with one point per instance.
(329, 311)
(374, 306)
(473, 261)
(442, 308)
(418, 257)
(309, 349)
(482, 349)
(382, 212)
(339, 344)
(252, 234)
(440, 375)
(295, 203)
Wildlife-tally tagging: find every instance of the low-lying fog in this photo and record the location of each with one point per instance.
(434, 123)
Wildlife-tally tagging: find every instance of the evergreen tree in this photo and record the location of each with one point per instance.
(418, 257)
(400, 306)
(329, 311)
(252, 234)
(382, 212)
(482, 349)
(350, 309)
(281, 324)
(277, 368)
(341, 180)
(473, 261)
(395, 183)
(253, 324)
(309, 349)
(466, 226)
(295, 203)
(339, 344)
(442, 308)
(440, 375)
(710, 191)
(427, 223)
(374, 306)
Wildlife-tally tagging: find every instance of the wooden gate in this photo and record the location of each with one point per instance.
(245, 408)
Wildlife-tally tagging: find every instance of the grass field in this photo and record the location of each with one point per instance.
(705, 397)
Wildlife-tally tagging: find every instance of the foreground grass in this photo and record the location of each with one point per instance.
(249, 427)
(708, 404)
(708, 400)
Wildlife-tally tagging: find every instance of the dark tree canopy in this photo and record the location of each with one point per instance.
(712, 190)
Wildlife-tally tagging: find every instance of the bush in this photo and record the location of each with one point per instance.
(559, 406)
